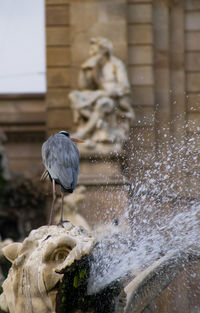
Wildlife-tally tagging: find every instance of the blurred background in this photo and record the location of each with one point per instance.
(43, 44)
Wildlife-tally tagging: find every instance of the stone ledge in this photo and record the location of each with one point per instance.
(26, 134)
(95, 180)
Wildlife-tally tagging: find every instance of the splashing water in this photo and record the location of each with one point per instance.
(163, 215)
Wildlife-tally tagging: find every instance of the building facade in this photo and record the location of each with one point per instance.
(158, 41)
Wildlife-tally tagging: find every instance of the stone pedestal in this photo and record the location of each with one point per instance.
(107, 188)
(106, 195)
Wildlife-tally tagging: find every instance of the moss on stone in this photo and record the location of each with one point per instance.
(72, 293)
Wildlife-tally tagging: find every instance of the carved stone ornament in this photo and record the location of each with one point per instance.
(102, 106)
(37, 263)
(3, 244)
(49, 274)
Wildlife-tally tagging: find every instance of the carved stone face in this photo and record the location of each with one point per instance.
(94, 49)
(100, 45)
(36, 266)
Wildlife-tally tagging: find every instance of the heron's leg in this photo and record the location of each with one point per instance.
(53, 202)
(61, 214)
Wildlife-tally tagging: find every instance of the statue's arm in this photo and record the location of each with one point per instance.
(82, 80)
(86, 77)
(120, 86)
(122, 76)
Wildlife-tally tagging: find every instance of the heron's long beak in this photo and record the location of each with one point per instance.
(77, 140)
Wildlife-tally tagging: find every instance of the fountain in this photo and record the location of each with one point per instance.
(37, 266)
(67, 269)
(115, 268)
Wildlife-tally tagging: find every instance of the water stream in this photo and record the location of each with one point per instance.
(163, 213)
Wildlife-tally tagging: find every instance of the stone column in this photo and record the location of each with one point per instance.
(177, 93)
(177, 71)
(99, 172)
(161, 66)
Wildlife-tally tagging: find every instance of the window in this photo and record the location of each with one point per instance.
(22, 47)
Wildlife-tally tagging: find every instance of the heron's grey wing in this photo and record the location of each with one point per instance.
(61, 159)
(70, 161)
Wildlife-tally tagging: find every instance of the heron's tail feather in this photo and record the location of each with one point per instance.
(44, 175)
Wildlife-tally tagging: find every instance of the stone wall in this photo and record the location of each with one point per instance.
(192, 80)
(23, 121)
(58, 65)
(158, 40)
(141, 72)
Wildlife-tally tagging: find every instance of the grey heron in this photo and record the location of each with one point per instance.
(61, 160)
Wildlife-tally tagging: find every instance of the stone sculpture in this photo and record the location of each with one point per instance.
(50, 265)
(71, 207)
(3, 244)
(50, 273)
(37, 264)
(102, 106)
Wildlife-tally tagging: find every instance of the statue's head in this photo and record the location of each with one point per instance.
(101, 45)
(37, 263)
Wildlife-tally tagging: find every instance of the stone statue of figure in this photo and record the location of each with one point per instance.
(3, 243)
(37, 267)
(102, 105)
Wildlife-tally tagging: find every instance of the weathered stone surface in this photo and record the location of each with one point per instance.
(140, 34)
(140, 13)
(27, 160)
(141, 54)
(58, 77)
(142, 75)
(59, 118)
(57, 2)
(36, 266)
(58, 36)
(192, 82)
(192, 41)
(193, 61)
(143, 95)
(58, 56)
(57, 15)
(192, 5)
(58, 98)
(193, 102)
(192, 21)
